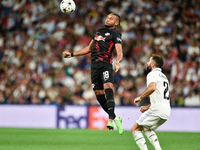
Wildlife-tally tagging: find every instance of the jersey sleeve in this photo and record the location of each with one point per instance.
(117, 37)
(151, 78)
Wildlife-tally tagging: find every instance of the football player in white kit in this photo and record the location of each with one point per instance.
(158, 111)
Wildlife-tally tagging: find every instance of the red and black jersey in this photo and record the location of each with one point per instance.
(104, 44)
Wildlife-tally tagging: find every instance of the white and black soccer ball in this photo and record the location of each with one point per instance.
(67, 6)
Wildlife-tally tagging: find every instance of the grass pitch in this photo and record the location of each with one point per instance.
(79, 139)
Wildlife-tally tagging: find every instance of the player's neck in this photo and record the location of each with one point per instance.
(153, 68)
(110, 27)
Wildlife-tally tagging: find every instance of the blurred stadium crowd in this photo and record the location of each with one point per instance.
(34, 33)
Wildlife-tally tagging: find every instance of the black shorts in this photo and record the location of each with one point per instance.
(101, 73)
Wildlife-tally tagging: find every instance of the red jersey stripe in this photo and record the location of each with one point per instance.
(111, 44)
(97, 46)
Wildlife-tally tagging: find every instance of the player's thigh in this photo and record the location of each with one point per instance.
(136, 127)
(96, 78)
(148, 120)
(107, 75)
(158, 124)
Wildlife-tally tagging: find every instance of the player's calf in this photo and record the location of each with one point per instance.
(110, 103)
(140, 140)
(153, 139)
(103, 102)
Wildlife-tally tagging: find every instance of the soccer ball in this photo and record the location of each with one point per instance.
(67, 6)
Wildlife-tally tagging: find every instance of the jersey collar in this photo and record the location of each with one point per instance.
(108, 27)
(157, 69)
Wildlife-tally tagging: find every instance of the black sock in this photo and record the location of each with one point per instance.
(103, 102)
(111, 109)
(110, 103)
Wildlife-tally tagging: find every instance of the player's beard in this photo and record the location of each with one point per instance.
(149, 68)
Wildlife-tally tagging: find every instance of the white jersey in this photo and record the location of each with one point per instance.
(160, 102)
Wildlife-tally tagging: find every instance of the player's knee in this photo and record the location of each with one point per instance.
(132, 129)
(108, 85)
(136, 127)
(99, 92)
(109, 94)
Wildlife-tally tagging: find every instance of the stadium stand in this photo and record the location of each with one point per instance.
(34, 33)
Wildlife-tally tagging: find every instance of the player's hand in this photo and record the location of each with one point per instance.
(137, 100)
(144, 108)
(66, 54)
(117, 66)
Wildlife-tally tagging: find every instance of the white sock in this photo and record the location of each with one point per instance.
(110, 120)
(153, 139)
(140, 140)
(116, 119)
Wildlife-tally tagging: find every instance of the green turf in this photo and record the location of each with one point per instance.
(77, 139)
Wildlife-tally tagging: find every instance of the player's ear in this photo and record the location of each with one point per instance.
(153, 64)
(116, 23)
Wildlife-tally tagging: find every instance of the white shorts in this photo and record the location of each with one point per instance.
(149, 120)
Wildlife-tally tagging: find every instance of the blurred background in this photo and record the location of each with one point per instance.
(34, 33)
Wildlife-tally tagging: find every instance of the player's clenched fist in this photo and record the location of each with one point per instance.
(66, 54)
(137, 100)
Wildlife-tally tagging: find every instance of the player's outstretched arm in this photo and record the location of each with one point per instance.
(83, 51)
(118, 48)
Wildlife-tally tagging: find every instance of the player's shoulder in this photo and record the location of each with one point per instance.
(158, 75)
(152, 74)
(116, 31)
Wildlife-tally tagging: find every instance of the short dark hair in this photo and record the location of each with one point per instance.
(118, 17)
(158, 60)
